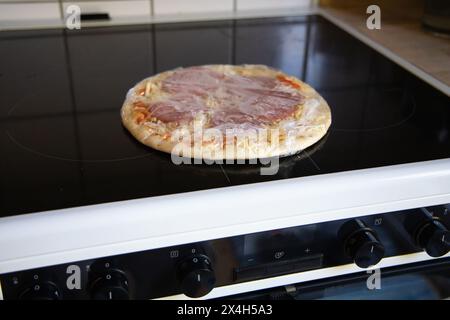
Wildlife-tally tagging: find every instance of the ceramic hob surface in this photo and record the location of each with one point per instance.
(62, 143)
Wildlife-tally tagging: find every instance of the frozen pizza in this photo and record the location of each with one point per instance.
(225, 112)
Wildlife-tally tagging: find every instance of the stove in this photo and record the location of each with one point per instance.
(88, 212)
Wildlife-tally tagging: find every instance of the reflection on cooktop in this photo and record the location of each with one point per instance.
(63, 144)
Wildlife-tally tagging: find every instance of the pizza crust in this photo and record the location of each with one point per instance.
(310, 127)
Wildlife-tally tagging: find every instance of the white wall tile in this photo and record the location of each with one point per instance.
(9, 1)
(162, 7)
(115, 9)
(270, 4)
(29, 11)
(19, 1)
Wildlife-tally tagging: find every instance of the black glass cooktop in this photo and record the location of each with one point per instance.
(61, 139)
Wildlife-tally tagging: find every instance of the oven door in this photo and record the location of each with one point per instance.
(420, 281)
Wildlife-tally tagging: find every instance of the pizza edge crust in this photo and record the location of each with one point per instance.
(316, 118)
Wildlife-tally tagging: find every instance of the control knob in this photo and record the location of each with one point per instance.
(41, 291)
(432, 235)
(361, 243)
(110, 285)
(196, 276)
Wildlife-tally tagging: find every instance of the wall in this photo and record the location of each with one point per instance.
(39, 10)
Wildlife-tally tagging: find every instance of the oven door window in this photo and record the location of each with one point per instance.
(424, 281)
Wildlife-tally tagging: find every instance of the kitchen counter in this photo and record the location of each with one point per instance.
(401, 33)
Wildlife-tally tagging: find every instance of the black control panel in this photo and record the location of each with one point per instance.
(195, 269)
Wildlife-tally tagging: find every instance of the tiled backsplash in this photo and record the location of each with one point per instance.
(115, 9)
(29, 10)
(191, 6)
(269, 4)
